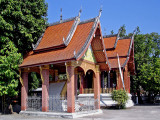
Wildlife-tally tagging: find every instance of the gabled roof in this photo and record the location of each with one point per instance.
(121, 46)
(66, 53)
(49, 49)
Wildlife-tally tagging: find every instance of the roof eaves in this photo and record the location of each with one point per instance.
(46, 63)
(72, 31)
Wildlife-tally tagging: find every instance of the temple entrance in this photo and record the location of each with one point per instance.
(89, 78)
(79, 80)
(89, 82)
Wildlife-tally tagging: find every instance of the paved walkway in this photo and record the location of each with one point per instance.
(134, 113)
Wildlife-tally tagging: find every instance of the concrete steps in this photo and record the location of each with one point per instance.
(106, 100)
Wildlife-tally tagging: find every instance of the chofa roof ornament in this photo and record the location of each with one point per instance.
(100, 12)
(61, 16)
(79, 14)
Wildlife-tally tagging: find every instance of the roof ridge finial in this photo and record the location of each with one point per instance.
(79, 14)
(100, 11)
(105, 31)
(134, 32)
(61, 16)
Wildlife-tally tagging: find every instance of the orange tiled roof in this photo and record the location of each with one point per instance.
(79, 38)
(54, 35)
(109, 42)
(122, 48)
(114, 62)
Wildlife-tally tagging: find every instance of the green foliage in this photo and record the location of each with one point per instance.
(21, 24)
(121, 97)
(112, 32)
(123, 31)
(22, 21)
(9, 61)
(147, 53)
(34, 81)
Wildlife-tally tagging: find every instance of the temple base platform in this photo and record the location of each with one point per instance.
(63, 115)
(106, 100)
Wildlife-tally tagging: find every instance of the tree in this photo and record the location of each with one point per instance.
(21, 24)
(22, 21)
(9, 61)
(123, 31)
(147, 55)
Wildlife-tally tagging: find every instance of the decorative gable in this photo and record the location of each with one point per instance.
(89, 55)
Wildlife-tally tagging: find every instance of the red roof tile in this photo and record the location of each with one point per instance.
(114, 62)
(53, 35)
(109, 42)
(78, 40)
(122, 48)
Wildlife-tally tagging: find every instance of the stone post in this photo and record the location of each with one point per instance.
(45, 88)
(76, 80)
(24, 91)
(70, 88)
(97, 87)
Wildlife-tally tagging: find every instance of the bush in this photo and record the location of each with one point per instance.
(121, 97)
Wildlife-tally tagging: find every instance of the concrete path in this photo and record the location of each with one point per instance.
(134, 113)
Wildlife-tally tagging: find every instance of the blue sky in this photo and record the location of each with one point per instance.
(115, 13)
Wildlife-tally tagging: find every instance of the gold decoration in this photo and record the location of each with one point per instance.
(41, 74)
(97, 68)
(20, 78)
(89, 55)
(68, 80)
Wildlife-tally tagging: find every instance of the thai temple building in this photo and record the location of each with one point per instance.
(76, 62)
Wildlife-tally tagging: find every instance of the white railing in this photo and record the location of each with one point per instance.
(85, 104)
(59, 104)
(34, 103)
